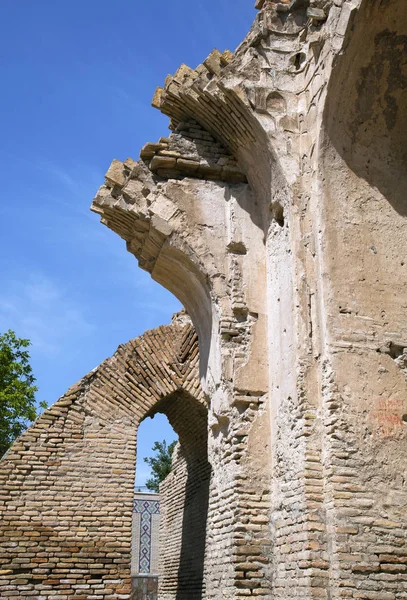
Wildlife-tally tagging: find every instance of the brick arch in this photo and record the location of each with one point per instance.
(67, 484)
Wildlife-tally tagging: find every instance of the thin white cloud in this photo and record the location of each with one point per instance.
(41, 311)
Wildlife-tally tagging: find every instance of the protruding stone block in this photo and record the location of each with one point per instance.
(162, 162)
(116, 174)
(316, 14)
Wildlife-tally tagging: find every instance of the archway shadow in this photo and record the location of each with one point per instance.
(191, 568)
(189, 418)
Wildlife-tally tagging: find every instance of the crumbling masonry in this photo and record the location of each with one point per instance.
(276, 211)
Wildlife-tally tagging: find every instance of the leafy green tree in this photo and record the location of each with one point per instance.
(160, 464)
(17, 389)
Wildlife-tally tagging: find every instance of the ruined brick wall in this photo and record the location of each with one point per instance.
(239, 533)
(275, 211)
(67, 484)
(363, 166)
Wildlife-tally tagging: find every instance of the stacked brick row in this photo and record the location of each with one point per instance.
(199, 94)
(239, 535)
(191, 152)
(300, 560)
(172, 493)
(67, 484)
(369, 554)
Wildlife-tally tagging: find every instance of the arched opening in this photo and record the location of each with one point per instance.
(151, 430)
(180, 508)
(145, 547)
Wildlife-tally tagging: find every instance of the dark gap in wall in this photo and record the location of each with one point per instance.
(185, 500)
(278, 213)
(396, 350)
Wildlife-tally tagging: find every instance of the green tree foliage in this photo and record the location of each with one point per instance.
(160, 464)
(17, 389)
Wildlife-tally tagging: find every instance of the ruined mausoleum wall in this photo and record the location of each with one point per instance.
(364, 208)
(312, 107)
(275, 211)
(338, 300)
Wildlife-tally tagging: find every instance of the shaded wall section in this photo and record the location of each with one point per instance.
(67, 484)
(185, 498)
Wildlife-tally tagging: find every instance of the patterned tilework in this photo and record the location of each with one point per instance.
(135, 544)
(155, 534)
(146, 511)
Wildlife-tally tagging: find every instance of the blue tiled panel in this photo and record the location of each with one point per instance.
(145, 508)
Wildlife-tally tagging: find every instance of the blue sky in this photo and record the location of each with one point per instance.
(77, 80)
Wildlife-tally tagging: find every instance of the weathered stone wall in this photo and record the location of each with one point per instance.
(364, 205)
(67, 484)
(296, 284)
